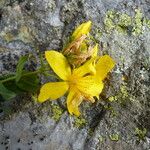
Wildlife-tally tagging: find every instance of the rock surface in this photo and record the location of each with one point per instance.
(122, 29)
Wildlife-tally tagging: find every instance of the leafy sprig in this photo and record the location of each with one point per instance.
(78, 67)
(22, 81)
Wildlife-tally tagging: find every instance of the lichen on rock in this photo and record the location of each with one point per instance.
(124, 23)
(120, 119)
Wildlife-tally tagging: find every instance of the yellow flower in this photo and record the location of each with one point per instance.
(82, 29)
(81, 83)
(78, 50)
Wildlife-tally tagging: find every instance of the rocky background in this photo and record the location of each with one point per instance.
(121, 119)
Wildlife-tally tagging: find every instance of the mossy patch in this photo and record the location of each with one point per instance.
(146, 22)
(79, 122)
(114, 137)
(21, 34)
(56, 112)
(109, 21)
(90, 131)
(97, 34)
(123, 23)
(123, 97)
(112, 98)
(138, 22)
(124, 91)
(124, 20)
(141, 133)
(113, 112)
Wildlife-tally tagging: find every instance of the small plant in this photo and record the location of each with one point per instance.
(141, 133)
(78, 68)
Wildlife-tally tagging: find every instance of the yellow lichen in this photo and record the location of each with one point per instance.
(112, 98)
(124, 20)
(138, 23)
(146, 22)
(79, 122)
(114, 137)
(124, 23)
(108, 21)
(141, 133)
(56, 111)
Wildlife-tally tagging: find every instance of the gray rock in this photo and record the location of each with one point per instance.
(33, 26)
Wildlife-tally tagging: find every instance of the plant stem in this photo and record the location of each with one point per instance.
(26, 74)
(50, 75)
(8, 79)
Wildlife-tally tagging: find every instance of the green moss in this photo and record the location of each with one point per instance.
(98, 34)
(109, 21)
(123, 94)
(124, 91)
(57, 112)
(138, 23)
(141, 133)
(114, 137)
(146, 22)
(116, 21)
(112, 98)
(79, 122)
(121, 30)
(122, 98)
(124, 20)
(124, 23)
(113, 113)
(109, 25)
(90, 131)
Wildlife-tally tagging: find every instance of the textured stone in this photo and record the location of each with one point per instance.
(33, 26)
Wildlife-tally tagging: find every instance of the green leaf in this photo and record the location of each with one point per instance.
(5, 93)
(20, 66)
(3, 77)
(29, 83)
(11, 85)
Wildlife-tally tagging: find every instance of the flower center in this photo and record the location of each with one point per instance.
(73, 81)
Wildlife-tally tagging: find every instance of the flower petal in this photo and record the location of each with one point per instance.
(103, 66)
(95, 50)
(90, 86)
(74, 99)
(52, 90)
(84, 28)
(59, 64)
(87, 68)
